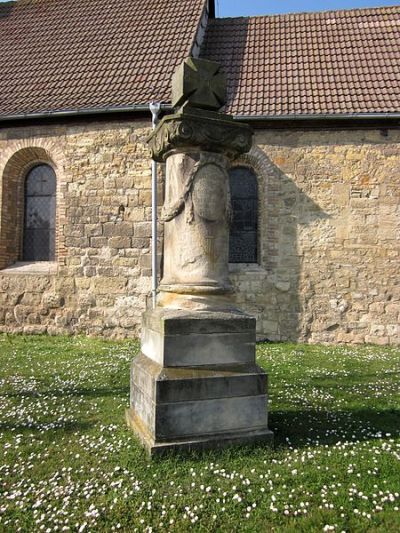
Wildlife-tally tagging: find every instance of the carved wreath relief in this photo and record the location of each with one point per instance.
(183, 131)
(204, 193)
(204, 202)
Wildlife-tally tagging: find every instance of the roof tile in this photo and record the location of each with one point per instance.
(61, 55)
(310, 63)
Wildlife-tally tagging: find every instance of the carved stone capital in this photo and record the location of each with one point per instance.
(201, 130)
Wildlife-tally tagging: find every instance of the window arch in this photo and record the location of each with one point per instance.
(243, 238)
(39, 214)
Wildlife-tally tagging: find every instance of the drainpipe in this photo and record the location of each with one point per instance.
(155, 110)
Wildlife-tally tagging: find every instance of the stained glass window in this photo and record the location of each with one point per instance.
(40, 214)
(243, 235)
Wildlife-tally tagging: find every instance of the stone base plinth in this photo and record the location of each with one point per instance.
(197, 407)
(196, 384)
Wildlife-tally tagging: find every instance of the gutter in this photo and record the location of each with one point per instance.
(84, 112)
(144, 108)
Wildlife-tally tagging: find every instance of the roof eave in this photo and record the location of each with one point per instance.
(144, 108)
(319, 116)
(137, 108)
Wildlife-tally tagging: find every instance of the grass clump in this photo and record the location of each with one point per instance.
(69, 463)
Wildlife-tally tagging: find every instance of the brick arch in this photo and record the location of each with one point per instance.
(268, 189)
(15, 163)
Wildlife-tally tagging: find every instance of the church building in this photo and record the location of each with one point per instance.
(315, 236)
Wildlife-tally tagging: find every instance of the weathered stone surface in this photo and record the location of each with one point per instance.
(209, 132)
(206, 360)
(323, 197)
(191, 350)
(209, 338)
(320, 212)
(199, 83)
(196, 383)
(97, 170)
(175, 408)
(160, 448)
(197, 210)
(196, 215)
(178, 322)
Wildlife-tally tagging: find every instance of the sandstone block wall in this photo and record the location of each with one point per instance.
(329, 230)
(102, 276)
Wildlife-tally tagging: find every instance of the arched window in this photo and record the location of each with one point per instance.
(243, 235)
(39, 214)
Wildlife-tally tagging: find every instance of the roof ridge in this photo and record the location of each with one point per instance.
(320, 12)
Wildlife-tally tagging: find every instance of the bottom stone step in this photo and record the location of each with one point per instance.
(245, 437)
(201, 405)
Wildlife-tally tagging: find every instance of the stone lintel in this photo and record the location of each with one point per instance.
(199, 130)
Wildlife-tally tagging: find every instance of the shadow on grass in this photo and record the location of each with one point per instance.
(303, 428)
(68, 393)
(306, 427)
(67, 427)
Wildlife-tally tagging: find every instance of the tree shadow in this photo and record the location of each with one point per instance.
(84, 421)
(65, 427)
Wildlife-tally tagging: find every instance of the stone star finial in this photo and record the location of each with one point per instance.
(199, 83)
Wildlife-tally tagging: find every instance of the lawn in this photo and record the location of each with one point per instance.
(69, 463)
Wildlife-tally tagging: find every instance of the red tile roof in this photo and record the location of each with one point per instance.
(338, 62)
(65, 55)
(74, 54)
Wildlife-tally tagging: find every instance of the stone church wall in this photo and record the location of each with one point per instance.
(329, 231)
(102, 276)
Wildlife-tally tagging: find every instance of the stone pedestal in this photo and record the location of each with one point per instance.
(196, 383)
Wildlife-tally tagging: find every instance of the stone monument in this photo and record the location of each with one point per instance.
(195, 383)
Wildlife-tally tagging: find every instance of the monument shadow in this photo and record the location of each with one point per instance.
(284, 210)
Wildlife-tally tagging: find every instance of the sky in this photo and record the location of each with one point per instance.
(245, 8)
(238, 8)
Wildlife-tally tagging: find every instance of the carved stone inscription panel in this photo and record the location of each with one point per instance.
(209, 192)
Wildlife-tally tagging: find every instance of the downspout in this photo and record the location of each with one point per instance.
(155, 110)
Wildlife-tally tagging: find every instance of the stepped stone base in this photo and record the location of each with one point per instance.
(197, 405)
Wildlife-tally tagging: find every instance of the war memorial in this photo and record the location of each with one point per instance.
(196, 383)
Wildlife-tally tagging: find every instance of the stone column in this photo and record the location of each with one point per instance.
(196, 238)
(196, 383)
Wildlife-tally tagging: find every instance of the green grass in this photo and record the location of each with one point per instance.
(69, 463)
